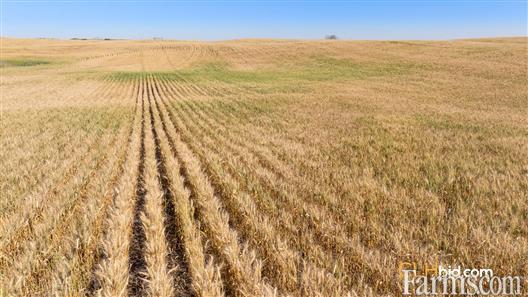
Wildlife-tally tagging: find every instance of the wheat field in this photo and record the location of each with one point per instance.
(258, 167)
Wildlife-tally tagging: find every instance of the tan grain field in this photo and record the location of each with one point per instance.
(258, 167)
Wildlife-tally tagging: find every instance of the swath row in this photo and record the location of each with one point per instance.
(182, 194)
(150, 261)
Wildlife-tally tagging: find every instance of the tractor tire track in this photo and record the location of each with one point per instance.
(228, 285)
(177, 261)
(206, 280)
(137, 284)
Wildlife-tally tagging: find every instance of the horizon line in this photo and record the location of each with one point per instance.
(159, 38)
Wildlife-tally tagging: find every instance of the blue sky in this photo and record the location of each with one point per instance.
(232, 19)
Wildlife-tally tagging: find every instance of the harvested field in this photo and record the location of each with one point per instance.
(258, 167)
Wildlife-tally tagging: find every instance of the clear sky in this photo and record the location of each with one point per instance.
(217, 19)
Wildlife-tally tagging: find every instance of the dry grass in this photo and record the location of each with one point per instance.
(258, 167)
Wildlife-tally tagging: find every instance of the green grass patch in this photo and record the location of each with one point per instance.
(22, 62)
(331, 69)
(318, 69)
(127, 76)
(203, 73)
(222, 72)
